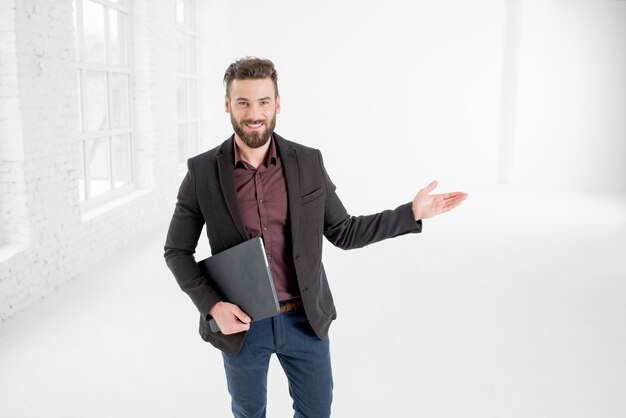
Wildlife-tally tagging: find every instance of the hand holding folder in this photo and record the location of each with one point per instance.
(242, 275)
(228, 318)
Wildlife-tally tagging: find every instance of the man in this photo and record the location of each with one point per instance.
(257, 183)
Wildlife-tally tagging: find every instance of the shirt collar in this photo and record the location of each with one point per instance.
(270, 158)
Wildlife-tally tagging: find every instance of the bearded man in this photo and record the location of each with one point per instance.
(258, 184)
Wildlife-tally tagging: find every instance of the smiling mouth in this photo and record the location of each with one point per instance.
(254, 125)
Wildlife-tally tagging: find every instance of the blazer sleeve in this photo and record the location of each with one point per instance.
(348, 232)
(181, 242)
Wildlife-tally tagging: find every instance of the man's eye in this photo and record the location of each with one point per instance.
(243, 104)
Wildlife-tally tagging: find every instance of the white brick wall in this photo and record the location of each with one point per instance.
(39, 171)
(13, 213)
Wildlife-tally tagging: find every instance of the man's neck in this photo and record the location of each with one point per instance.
(253, 156)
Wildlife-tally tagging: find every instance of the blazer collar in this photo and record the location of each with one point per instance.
(225, 166)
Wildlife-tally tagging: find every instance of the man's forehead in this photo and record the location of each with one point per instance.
(252, 88)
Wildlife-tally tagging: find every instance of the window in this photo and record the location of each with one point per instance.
(104, 85)
(187, 79)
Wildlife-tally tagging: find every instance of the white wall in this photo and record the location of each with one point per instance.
(409, 87)
(14, 226)
(571, 96)
(44, 118)
(423, 81)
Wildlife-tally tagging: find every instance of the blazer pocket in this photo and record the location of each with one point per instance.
(315, 194)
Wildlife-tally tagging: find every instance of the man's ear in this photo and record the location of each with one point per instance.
(277, 104)
(226, 104)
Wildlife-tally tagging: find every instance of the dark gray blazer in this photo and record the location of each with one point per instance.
(207, 195)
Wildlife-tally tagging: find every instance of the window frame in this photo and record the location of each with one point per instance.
(189, 28)
(88, 201)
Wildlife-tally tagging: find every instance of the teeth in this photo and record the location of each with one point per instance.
(253, 126)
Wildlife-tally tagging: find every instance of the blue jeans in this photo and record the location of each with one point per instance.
(303, 356)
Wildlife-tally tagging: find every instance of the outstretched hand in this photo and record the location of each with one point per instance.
(427, 205)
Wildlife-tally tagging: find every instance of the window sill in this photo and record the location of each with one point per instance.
(7, 251)
(92, 213)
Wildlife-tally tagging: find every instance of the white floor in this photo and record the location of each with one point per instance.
(514, 306)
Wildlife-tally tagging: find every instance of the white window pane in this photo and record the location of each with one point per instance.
(192, 139)
(117, 34)
(75, 21)
(120, 109)
(191, 54)
(95, 102)
(80, 108)
(182, 96)
(180, 51)
(97, 155)
(191, 14)
(122, 154)
(81, 172)
(93, 30)
(193, 99)
(180, 12)
(182, 142)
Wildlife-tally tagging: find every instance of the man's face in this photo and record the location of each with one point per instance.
(253, 106)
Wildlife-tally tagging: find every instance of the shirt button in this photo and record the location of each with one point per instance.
(261, 201)
(265, 228)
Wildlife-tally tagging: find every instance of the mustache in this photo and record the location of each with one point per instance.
(252, 121)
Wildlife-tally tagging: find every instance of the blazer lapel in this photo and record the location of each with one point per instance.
(291, 166)
(226, 170)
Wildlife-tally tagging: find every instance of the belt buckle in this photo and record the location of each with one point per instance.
(290, 305)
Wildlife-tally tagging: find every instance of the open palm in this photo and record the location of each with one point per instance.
(427, 205)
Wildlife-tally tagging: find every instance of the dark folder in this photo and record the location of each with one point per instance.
(242, 275)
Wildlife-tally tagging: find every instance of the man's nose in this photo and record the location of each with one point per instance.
(254, 112)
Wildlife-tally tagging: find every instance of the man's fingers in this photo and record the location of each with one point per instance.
(430, 187)
(454, 201)
(238, 322)
(230, 318)
(453, 195)
(234, 327)
(241, 315)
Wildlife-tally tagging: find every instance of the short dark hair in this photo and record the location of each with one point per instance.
(250, 68)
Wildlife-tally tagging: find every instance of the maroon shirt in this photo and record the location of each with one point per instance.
(262, 197)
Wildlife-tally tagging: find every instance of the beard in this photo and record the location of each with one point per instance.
(253, 139)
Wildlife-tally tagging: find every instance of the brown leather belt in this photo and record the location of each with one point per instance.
(291, 305)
